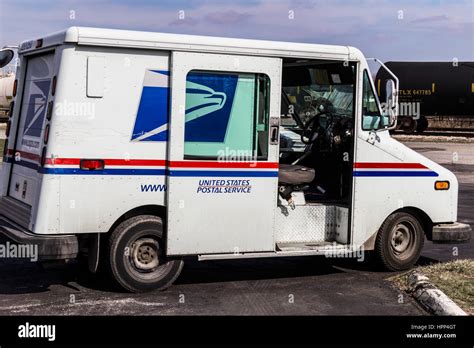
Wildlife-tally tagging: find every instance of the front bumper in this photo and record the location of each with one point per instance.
(455, 232)
(49, 247)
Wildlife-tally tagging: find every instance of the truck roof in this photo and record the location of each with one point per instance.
(165, 41)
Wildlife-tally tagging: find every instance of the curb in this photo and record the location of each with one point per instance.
(431, 297)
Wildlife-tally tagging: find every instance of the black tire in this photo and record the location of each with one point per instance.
(399, 242)
(422, 124)
(136, 259)
(409, 125)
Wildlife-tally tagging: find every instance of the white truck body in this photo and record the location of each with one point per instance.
(120, 97)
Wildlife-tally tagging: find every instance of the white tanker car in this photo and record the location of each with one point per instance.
(6, 94)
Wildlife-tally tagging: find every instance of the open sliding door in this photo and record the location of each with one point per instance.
(223, 153)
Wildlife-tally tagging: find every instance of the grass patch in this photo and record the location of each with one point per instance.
(455, 279)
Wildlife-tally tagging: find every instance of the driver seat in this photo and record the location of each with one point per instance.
(294, 175)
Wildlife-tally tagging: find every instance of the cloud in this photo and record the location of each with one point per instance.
(430, 19)
(227, 17)
(373, 26)
(187, 21)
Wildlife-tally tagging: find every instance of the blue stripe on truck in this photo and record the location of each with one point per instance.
(159, 172)
(222, 173)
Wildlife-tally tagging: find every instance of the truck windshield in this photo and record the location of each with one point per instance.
(312, 88)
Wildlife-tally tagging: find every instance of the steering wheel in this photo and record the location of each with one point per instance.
(307, 113)
(311, 130)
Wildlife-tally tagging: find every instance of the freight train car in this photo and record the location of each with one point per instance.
(432, 94)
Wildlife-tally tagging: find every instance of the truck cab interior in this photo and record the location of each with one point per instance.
(316, 133)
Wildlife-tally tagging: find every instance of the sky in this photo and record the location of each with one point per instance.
(410, 30)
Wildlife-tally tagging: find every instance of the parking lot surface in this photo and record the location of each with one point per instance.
(296, 286)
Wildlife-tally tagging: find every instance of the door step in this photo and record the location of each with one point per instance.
(306, 246)
(283, 250)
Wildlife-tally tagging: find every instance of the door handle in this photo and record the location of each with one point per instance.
(25, 187)
(274, 130)
(274, 135)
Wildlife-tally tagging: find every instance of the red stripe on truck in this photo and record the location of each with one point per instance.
(214, 164)
(164, 163)
(373, 165)
(110, 162)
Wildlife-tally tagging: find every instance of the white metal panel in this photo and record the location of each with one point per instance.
(309, 223)
(165, 41)
(375, 198)
(95, 77)
(47, 217)
(377, 195)
(83, 127)
(150, 40)
(219, 223)
(53, 39)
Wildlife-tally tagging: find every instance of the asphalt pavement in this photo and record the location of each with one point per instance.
(282, 286)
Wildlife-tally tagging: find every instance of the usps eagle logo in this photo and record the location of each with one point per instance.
(151, 123)
(202, 100)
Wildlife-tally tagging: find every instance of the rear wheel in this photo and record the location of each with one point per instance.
(136, 257)
(408, 125)
(399, 242)
(421, 124)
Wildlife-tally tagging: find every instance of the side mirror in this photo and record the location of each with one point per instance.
(391, 93)
(6, 56)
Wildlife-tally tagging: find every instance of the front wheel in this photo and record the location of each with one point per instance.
(136, 256)
(399, 242)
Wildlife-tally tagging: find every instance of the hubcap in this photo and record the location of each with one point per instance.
(402, 238)
(145, 254)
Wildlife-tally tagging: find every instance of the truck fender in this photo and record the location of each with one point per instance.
(93, 252)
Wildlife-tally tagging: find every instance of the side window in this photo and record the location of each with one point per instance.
(371, 115)
(227, 116)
